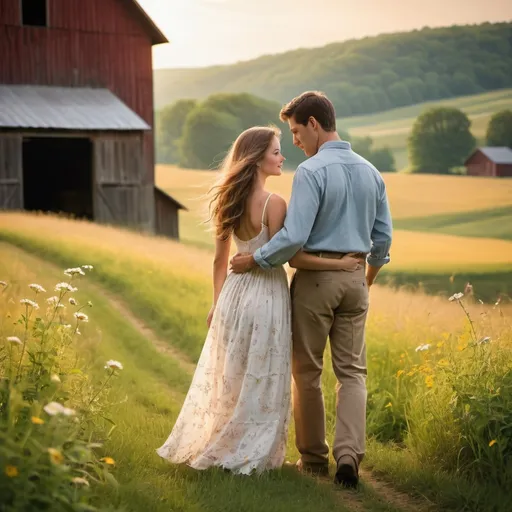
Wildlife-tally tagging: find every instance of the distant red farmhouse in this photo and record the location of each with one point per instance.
(76, 112)
(490, 161)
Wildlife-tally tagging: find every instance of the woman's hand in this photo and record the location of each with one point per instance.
(210, 316)
(350, 262)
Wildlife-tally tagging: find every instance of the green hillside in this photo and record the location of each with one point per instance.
(364, 76)
(391, 128)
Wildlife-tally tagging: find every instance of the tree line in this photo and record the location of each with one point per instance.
(197, 134)
(366, 75)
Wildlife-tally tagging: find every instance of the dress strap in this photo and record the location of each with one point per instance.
(265, 209)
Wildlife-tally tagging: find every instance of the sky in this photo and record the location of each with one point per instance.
(209, 32)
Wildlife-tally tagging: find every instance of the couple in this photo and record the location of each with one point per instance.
(237, 410)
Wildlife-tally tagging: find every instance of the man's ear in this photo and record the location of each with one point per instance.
(313, 122)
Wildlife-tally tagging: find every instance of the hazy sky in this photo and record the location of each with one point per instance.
(206, 32)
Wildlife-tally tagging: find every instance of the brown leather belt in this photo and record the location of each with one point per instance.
(336, 255)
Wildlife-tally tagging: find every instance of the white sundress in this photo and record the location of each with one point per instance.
(237, 410)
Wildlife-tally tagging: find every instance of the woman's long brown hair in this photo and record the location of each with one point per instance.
(238, 174)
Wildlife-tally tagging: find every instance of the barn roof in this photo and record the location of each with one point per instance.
(499, 155)
(157, 37)
(65, 108)
(170, 198)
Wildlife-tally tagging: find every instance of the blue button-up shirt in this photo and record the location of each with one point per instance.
(338, 204)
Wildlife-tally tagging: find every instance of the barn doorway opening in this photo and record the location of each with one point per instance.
(57, 175)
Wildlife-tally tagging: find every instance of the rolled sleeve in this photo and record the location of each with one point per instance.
(382, 234)
(302, 212)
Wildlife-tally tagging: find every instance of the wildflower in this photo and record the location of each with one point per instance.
(11, 471)
(389, 405)
(54, 408)
(111, 364)
(65, 286)
(52, 301)
(67, 326)
(423, 347)
(87, 267)
(78, 332)
(429, 381)
(108, 460)
(30, 303)
(89, 303)
(456, 296)
(37, 288)
(483, 341)
(81, 316)
(493, 442)
(78, 480)
(399, 373)
(14, 340)
(462, 346)
(36, 421)
(73, 301)
(3, 284)
(55, 456)
(70, 272)
(60, 306)
(55, 378)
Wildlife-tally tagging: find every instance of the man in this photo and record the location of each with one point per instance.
(338, 205)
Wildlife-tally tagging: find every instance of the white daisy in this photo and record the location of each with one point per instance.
(81, 316)
(30, 303)
(114, 365)
(37, 288)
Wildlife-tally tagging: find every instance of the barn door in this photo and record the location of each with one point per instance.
(120, 196)
(11, 172)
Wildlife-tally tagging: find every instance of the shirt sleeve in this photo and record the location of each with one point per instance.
(302, 212)
(382, 233)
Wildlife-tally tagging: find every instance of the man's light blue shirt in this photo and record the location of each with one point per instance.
(338, 204)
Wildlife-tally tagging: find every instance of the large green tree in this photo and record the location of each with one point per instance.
(169, 129)
(440, 140)
(499, 130)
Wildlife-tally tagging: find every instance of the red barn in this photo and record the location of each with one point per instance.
(76, 112)
(490, 161)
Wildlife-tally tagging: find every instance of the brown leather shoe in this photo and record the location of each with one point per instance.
(312, 468)
(347, 473)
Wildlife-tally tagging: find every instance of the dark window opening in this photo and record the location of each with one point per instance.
(34, 13)
(57, 175)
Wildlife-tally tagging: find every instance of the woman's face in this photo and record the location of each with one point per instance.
(272, 163)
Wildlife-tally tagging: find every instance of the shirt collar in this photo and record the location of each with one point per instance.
(335, 144)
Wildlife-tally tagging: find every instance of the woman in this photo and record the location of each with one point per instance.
(236, 413)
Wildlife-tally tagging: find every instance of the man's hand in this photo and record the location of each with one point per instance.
(242, 262)
(371, 274)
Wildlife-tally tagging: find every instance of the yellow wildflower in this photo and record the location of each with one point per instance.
(493, 442)
(399, 373)
(11, 471)
(389, 405)
(56, 456)
(108, 460)
(36, 421)
(429, 381)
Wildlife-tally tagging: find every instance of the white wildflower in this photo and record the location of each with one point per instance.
(55, 378)
(67, 326)
(37, 288)
(14, 340)
(54, 408)
(52, 301)
(484, 340)
(78, 480)
(114, 365)
(87, 267)
(81, 316)
(65, 286)
(78, 332)
(70, 272)
(73, 301)
(423, 347)
(456, 296)
(30, 303)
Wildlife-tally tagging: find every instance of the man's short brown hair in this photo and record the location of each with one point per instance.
(311, 104)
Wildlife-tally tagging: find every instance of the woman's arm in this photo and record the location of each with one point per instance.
(276, 212)
(305, 261)
(220, 271)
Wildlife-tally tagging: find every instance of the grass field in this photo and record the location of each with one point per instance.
(426, 254)
(167, 286)
(391, 128)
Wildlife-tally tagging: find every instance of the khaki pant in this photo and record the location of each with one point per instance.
(335, 305)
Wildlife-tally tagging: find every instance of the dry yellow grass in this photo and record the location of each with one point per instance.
(410, 195)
